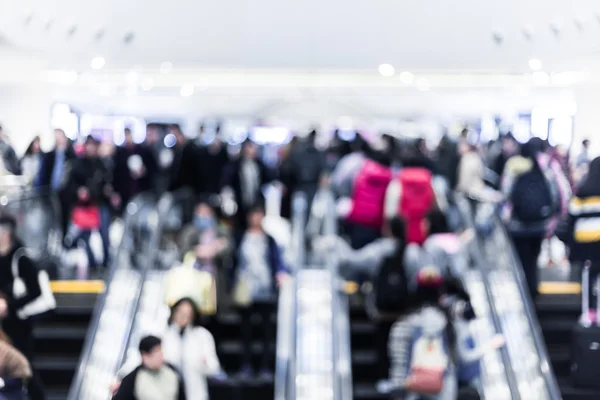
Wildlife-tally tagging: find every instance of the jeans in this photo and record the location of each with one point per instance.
(104, 230)
(264, 310)
(74, 235)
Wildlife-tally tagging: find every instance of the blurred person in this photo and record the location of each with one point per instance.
(447, 160)
(186, 167)
(88, 186)
(538, 193)
(246, 177)
(8, 156)
(162, 156)
(189, 348)
(133, 173)
(30, 163)
(204, 229)
(213, 161)
(509, 148)
(154, 379)
(287, 177)
(584, 157)
(15, 371)
(54, 173)
(471, 173)
(20, 331)
(307, 167)
(582, 231)
(259, 270)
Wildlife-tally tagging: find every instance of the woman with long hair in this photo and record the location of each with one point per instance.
(30, 163)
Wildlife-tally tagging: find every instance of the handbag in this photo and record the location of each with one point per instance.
(187, 282)
(426, 380)
(45, 302)
(242, 293)
(86, 218)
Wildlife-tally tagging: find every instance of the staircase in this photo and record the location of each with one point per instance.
(58, 342)
(226, 329)
(558, 314)
(364, 355)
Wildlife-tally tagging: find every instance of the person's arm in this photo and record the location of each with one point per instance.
(29, 274)
(126, 388)
(367, 258)
(211, 365)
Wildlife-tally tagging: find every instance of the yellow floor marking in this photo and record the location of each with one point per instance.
(91, 287)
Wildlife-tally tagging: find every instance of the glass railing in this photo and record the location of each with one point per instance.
(526, 360)
(114, 310)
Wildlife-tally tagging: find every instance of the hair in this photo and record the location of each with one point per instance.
(312, 136)
(29, 150)
(127, 129)
(176, 128)
(7, 220)
(591, 183)
(585, 143)
(92, 140)
(256, 208)
(196, 313)
(148, 343)
(532, 148)
(438, 222)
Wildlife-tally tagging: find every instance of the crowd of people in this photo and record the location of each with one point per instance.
(398, 237)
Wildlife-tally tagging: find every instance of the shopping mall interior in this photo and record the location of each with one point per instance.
(175, 141)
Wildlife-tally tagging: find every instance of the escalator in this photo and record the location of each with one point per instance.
(111, 324)
(529, 361)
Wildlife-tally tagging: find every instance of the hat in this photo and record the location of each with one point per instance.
(7, 220)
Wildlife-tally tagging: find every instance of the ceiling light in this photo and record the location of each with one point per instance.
(386, 70)
(98, 62)
(147, 84)
(423, 84)
(187, 90)
(407, 78)
(166, 67)
(535, 64)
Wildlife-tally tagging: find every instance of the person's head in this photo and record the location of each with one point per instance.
(465, 147)
(61, 139)
(255, 217)
(464, 133)
(249, 150)
(91, 147)
(184, 313)
(151, 350)
(585, 144)
(533, 147)
(34, 146)
(437, 223)
(152, 134)
(128, 136)
(204, 216)
(8, 224)
(510, 146)
(312, 137)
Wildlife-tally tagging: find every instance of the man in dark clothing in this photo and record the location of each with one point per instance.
(185, 171)
(20, 331)
(213, 161)
(154, 379)
(133, 170)
(54, 173)
(246, 177)
(510, 147)
(89, 187)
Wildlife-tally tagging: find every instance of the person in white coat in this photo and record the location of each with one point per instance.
(189, 348)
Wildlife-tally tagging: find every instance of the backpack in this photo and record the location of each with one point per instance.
(417, 199)
(368, 194)
(429, 361)
(533, 197)
(391, 286)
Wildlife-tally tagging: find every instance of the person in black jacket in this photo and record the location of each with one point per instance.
(213, 161)
(54, 172)
(89, 187)
(186, 167)
(246, 177)
(134, 168)
(153, 379)
(20, 331)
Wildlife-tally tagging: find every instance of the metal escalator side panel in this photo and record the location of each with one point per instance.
(286, 340)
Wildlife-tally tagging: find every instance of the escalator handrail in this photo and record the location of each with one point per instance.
(131, 211)
(538, 339)
(466, 212)
(165, 203)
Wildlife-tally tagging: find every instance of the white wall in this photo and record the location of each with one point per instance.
(25, 113)
(587, 120)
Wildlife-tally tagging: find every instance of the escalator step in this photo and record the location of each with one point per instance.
(230, 354)
(367, 392)
(570, 393)
(364, 366)
(234, 389)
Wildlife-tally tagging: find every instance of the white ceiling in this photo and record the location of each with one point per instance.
(423, 35)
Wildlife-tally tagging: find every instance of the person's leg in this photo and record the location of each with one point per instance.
(266, 310)
(382, 335)
(21, 336)
(105, 221)
(85, 236)
(523, 248)
(246, 314)
(535, 250)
